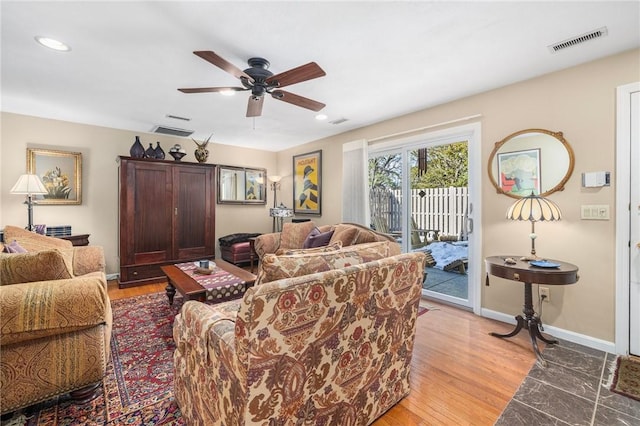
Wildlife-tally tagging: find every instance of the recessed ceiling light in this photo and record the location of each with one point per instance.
(52, 44)
(321, 117)
(227, 92)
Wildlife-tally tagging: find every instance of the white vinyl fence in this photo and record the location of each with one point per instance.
(442, 209)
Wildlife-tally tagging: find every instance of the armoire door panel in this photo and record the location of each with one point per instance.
(193, 219)
(152, 215)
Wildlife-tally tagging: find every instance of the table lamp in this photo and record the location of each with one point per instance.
(279, 213)
(29, 185)
(534, 208)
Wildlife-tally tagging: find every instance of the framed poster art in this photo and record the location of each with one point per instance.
(60, 172)
(519, 172)
(307, 183)
(255, 185)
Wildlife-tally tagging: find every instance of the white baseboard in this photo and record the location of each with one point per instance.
(559, 333)
(113, 276)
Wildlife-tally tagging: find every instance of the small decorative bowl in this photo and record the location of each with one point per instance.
(177, 155)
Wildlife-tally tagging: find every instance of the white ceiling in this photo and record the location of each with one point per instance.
(382, 59)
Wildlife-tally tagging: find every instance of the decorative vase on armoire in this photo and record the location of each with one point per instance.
(137, 150)
(150, 152)
(202, 153)
(159, 152)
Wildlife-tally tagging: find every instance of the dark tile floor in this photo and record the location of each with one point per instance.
(572, 390)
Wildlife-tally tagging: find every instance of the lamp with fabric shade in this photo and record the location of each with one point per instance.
(29, 185)
(534, 209)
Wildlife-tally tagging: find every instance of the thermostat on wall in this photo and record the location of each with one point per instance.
(596, 179)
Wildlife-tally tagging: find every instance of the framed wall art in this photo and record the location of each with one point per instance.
(519, 172)
(307, 183)
(60, 172)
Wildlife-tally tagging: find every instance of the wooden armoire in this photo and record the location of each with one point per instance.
(167, 216)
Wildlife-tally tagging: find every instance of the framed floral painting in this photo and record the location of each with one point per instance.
(60, 172)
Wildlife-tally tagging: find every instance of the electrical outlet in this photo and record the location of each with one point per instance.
(544, 294)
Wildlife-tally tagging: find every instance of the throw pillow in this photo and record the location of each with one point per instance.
(294, 234)
(33, 242)
(331, 247)
(275, 267)
(14, 247)
(346, 233)
(36, 266)
(317, 238)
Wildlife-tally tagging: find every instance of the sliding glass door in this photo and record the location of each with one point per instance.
(419, 193)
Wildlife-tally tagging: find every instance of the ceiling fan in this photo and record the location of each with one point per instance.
(260, 81)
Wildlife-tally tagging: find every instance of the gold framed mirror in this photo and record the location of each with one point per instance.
(531, 160)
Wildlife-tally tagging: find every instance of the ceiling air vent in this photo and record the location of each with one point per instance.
(600, 32)
(173, 131)
(339, 121)
(177, 117)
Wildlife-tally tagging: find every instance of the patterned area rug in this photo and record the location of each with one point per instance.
(138, 388)
(626, 380)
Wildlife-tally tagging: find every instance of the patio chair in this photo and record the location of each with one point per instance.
(422, 237)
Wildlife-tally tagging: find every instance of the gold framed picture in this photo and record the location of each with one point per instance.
(307, 180)
(60, 172)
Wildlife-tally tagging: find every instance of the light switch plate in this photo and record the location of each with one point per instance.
(595, 212)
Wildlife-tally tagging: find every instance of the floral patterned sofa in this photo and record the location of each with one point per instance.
(332, 347)
(293, 236)
(55, 319)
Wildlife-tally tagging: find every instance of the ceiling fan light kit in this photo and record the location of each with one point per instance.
(260, 81)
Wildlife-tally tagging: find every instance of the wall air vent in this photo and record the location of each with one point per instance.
(172, 131)
(339, 121)
(591, 35)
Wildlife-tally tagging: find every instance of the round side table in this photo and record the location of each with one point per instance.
(524, 272)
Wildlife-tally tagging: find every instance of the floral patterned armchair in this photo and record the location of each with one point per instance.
(333, 347)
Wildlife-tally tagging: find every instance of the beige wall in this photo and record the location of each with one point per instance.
(579, 102)
(100, 148)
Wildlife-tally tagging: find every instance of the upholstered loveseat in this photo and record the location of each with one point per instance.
(293, 236)
(328, 348)
(55, 320)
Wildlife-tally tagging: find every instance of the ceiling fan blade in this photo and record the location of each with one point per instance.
(225, 65)
(298, 100)
(296, 75)
(254, 107)
(212, 89)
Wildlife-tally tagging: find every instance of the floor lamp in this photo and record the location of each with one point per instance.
(534, 209)
(29, 185)
(275, 185)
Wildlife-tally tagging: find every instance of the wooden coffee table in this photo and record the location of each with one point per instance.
(190, 289)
